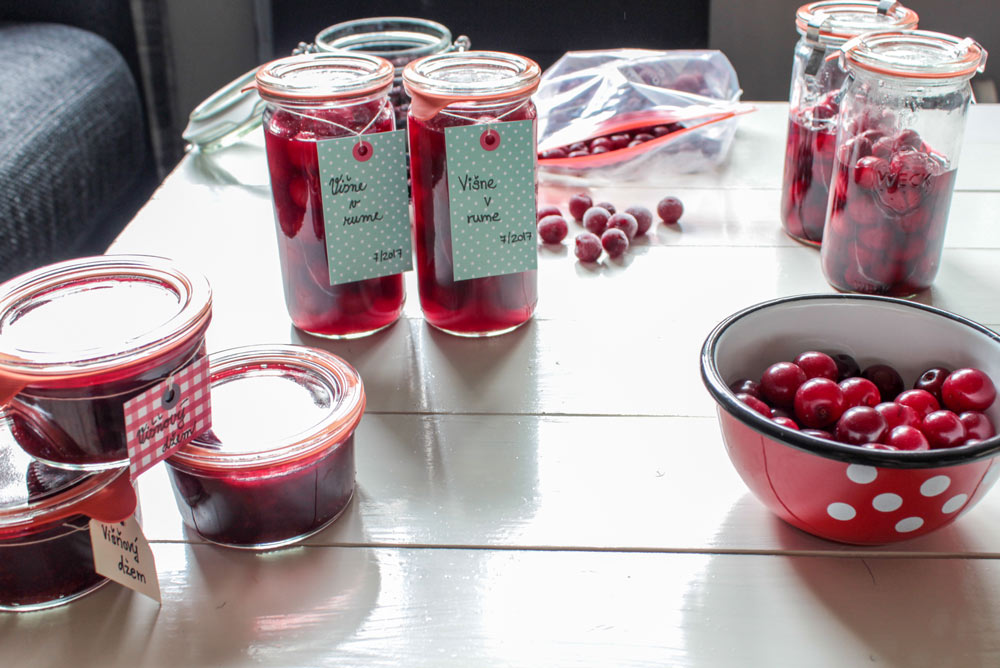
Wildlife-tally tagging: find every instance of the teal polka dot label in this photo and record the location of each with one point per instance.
(491, 191)
(365, 205)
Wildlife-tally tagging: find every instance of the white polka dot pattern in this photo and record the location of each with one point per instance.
(954, 503)
(934, 486)
(887, 502)
(861, 474)
(909, 524)
(841, 511)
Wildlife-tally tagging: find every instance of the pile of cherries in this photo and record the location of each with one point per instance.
(832, 398)
(607, 228)
(612, 142)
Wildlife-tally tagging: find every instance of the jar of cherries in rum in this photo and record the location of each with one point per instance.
(814, 103)
(472, 134)
(313, 98)
(902, 117)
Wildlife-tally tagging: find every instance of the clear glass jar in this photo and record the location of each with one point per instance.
(451, 90)
(259, 482)
(46, 557)
(814, 104)
(82, 337)
(902, 118)
(398, 39)
(310, 98)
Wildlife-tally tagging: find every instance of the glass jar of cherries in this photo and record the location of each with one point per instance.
(312, 98)
(902, 117)
(812, 122)
(472, 135)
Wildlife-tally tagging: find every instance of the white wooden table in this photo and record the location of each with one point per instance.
(558, 496)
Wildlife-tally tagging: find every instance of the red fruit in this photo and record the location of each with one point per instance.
(621, 140)
(779, 383)
(870, 172)
(967, 390)
(886, 379)
(615, 242)
(819, 433)
(932, 380)
(755, 403)
(898, 415)
(911, 169)
(819, 402)
(607, 206)
(298, 191)
(587, 247)
(559, 152)
(860, 392)
(596, 220)
(847, 366)
(578, 154)
(578, 205)
(670, 210)
(643, 217)
(601, 142)
(977, 425)
(548, 210)
(878, 446)
(907, 139)
(745, 385)
(786, 422)
(922, 401)
(882, 148)
(625, 222)
(817, 365)
(907, 438)
(943, 429)
(860, 425)
(552, 229)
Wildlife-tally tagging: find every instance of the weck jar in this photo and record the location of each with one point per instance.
(278, 464)
(814, 103)
(313, 99)
(901, 124)
(80, 338)
(471, 113)
(46, 556)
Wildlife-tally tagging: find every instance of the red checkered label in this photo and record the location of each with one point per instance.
(167, 416)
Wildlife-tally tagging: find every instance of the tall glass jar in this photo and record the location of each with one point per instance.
(450, 91)
(814, 103)
(901, 124)
(311, 98)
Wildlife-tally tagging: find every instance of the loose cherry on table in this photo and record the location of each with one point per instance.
(552, 229)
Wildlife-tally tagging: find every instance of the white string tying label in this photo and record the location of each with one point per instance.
(363, 150)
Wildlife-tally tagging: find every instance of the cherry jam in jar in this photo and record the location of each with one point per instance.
(815, 104)
(79, 338)
(310, 98)
(46, 558)
(901, 125)
(278, 464)
(450, 90)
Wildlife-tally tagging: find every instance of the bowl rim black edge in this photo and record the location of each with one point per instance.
(720, 391)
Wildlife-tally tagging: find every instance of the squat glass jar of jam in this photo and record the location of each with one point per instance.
(46, 558)
(450, 91)
(814, 104)
(310, 98)
(902, 118)
(80, 338)
(278, 464)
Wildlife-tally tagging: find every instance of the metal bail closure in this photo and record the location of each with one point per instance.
(885, 6)
(817, 57)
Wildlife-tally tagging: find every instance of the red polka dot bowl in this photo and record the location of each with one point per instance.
(833, 490)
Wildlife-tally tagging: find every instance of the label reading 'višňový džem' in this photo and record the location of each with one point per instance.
(491, 191)
(366, 210)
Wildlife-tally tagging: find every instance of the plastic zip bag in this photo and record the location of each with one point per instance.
(658, 111)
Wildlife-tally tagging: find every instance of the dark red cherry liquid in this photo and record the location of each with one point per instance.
(475, 306)
(315, 306)
(887, 215)
(808, 170)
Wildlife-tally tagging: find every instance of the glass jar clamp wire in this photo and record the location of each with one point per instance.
(232, 112)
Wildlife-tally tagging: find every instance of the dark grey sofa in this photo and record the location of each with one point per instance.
(75, 162)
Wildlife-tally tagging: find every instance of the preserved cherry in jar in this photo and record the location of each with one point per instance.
(902, 119)
(815, 104)
(311, 98)
(454, 91)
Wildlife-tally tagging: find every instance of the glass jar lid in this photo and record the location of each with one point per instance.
(436, 81)
(32, 493)
(833, 22)
(398, 39)
(92, 315)
(275, 405)
(917, 54)
(317, 78)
